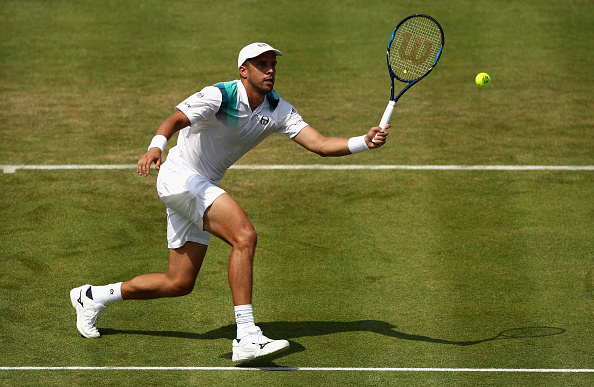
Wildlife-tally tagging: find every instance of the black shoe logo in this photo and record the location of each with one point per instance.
(80, 299)
(262, 345)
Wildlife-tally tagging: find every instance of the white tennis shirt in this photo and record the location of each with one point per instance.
(224, 127)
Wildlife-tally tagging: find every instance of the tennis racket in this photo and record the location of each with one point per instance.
(414, 48)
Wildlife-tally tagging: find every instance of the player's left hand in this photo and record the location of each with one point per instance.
(376, 136)
(153, 155)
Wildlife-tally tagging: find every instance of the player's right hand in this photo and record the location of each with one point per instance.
(144, 164)
(377, 136)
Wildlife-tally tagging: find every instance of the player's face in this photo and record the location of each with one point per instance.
(261, 71)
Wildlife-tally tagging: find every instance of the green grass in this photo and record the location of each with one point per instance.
(450, 260)
(355, 268)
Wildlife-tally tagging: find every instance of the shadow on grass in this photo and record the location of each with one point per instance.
(297, 329)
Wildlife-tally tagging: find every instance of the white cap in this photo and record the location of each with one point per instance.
(253, 50)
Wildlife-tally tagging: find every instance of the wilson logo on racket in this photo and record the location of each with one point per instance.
(414, 52)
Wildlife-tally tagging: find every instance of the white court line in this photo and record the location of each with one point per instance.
(355, 369)
(14, 168)
(427, 167)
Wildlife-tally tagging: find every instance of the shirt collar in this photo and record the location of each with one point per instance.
(242, 93)
(243, 98)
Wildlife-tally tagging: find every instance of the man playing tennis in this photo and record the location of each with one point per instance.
(218, 125)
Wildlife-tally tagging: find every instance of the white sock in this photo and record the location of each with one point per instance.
(244, 317)
(108, 293)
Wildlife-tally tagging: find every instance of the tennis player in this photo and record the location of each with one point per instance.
(217, 126)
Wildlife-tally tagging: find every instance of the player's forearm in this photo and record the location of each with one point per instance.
(333, 147)
(172, 124)
(166, 130)
(314, 141)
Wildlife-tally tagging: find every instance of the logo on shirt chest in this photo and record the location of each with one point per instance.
(264, 120)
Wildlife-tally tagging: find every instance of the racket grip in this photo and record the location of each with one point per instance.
(387, 115)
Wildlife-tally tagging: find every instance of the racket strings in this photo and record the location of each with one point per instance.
(415, 48)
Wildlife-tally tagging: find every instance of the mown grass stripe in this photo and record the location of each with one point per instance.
(14, 168)
(347, 369)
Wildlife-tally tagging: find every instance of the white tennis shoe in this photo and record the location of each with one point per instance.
(87, 311)
(255, 345)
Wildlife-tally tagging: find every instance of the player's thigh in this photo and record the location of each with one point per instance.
(226, 219)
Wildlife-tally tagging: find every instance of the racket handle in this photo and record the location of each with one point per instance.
(387, 115)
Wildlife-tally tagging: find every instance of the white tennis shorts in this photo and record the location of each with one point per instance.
(187, 196)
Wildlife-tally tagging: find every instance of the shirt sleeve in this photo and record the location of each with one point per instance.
(292, 122)
(201, 106)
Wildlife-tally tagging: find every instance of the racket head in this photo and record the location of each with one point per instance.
(414, 48)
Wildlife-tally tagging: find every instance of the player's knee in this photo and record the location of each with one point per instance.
(181, 288)
(247, 238)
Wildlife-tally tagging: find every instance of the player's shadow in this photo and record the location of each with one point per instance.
(297, 329)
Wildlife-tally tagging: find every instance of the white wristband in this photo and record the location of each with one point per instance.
(159, 141)
(358, 144)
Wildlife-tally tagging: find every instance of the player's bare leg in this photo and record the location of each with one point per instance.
(179, 280)
(184, 265)
(227, 220)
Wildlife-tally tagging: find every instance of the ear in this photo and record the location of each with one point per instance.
(243, 71)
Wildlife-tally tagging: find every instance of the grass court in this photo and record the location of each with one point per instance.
(439, 272)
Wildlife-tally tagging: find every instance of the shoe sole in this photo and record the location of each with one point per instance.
(280, 350)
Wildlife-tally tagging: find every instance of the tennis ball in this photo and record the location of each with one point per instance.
(482, 79)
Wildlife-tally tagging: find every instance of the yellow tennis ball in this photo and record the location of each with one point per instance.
(482, 79)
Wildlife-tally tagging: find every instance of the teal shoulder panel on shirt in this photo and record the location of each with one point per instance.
(228, 113)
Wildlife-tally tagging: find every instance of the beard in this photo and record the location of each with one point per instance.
(261, 87)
